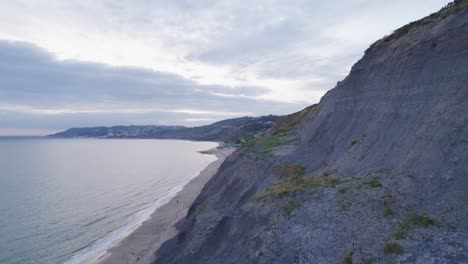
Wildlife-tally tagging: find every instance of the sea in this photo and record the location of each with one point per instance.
(68, 200)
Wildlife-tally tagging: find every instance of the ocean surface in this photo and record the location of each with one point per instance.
(65, 200)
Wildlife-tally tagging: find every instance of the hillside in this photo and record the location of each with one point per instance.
(375, 173)
(233, 130)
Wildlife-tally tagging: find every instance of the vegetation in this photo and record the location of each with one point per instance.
(400, 234)
(423, 220)
(207, 231)
(419, 220)
(348, 258)
(367, 260)
(290, 169)
(342, 190)
(265, 143)
(291, 207)
(451, 8)
(289, 122)
(296, 184)
(388, 211)
(393, 248)
(203, 207)
(372, 182)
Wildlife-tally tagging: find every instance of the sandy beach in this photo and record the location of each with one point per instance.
(139, 246)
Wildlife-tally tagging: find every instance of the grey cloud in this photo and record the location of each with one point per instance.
(32, 78)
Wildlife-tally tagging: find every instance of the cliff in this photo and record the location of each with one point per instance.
(377, 172)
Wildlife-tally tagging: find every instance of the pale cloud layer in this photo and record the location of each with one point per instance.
(180, 62)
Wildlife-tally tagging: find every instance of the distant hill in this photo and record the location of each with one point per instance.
(234, 130)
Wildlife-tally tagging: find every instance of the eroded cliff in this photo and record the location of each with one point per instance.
(377, 172)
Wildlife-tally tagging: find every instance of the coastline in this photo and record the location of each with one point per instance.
(139, 246)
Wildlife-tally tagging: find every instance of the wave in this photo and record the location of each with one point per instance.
(99, 248)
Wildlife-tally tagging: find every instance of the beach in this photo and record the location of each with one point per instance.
(141, 244)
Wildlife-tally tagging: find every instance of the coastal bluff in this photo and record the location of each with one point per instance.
(377, 172)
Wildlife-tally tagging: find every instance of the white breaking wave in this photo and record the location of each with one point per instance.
(100, 246)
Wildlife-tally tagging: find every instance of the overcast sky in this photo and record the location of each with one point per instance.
(88, 63)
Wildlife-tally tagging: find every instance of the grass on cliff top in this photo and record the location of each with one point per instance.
(296, 184)
(451, 8)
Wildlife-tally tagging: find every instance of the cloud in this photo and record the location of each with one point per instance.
(83, 60)
(39, 91)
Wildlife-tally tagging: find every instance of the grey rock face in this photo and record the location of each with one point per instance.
(377, 172)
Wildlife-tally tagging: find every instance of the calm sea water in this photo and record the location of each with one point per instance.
(64, 200)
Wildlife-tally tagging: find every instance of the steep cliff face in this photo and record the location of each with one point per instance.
(377, 172)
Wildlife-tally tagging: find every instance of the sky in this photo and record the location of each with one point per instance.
(80, 63)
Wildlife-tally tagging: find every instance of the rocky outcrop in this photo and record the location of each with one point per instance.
(377, 172)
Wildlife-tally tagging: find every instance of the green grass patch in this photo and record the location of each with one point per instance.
(422, 220)
(289, 209)
(265, 143)
(343, 190)
(348, 258)
(373, 182)
(388, 211)
(297, 184)
(393, 248)
(400, 235)
(419, 220)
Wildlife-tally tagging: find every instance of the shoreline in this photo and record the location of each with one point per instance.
(139, 245)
